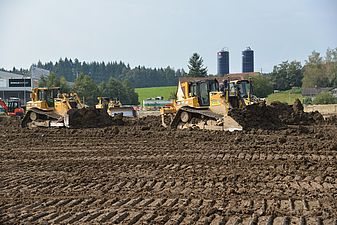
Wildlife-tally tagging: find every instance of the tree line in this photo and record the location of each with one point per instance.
(137, 77)
(318, 71)
(116, 80)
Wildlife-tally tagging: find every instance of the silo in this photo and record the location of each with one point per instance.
(223, 62)
(248, 60)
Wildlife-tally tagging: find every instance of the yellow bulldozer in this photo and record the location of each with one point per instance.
(49, 108)
(114, 107)
(204, 102)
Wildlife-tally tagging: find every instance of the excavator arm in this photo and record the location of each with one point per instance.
(3, 105)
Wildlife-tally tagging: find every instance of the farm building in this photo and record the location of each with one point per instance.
(312, 92)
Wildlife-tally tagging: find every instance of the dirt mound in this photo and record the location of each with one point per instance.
(277, 115)
(297, 106)
(91, 117)
(331, 120)
(257, 116)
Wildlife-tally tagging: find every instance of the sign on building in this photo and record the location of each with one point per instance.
(2, 82)
(20, 83)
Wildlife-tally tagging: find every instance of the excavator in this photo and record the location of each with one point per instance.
(114, 107)
(50, 108)
(204, 102)
(12, 108)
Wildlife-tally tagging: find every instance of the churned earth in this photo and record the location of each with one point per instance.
(141, 173)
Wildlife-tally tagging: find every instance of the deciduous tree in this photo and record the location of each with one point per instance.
(287, 75)
(86, 88)
(319, 71)
(262, 86)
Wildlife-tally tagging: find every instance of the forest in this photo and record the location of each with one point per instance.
(137, 77)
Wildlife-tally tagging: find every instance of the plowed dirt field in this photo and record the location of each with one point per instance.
(140, 173)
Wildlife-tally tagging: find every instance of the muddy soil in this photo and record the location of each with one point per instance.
(142, 173)
(276, 116)
(91, 118)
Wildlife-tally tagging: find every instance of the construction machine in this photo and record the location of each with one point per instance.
(3, 107)
(204, 102)
(12, 108)
(114, 107)
(50, 108)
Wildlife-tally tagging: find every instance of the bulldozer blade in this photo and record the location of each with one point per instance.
(126, 111)
(229, 124)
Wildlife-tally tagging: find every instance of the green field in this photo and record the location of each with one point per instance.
(285, 96)
(152, 92)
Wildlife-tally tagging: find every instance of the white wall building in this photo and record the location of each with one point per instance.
(16, 85)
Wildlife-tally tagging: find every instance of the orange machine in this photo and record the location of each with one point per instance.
(13, 108)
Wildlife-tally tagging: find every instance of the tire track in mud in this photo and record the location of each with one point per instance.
(88, 176)
(171, 211)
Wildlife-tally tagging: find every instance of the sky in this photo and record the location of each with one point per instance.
(158, 33)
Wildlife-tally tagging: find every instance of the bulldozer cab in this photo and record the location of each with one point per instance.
(242, 89)
(43, 98)
(201, 89)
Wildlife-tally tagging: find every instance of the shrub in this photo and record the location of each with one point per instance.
(325, 98)
(307, 101)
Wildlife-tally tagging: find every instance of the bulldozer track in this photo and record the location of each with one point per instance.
(203, 112)
(93, 176)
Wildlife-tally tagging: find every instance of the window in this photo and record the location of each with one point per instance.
(244, 89)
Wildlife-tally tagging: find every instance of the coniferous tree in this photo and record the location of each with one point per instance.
(196, 66)
(54, 81)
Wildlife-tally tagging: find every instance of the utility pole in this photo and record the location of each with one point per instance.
(24, 90)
